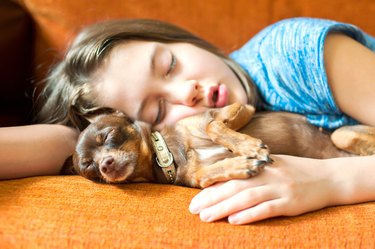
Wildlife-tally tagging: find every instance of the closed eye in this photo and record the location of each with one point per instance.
(108, 135)
(90, 170)
(172, 65)
(115, 137)
(86, 163)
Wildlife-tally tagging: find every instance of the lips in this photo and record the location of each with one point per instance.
(218, 96)
(222, 96)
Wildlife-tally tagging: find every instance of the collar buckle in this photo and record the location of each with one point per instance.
(164, 157)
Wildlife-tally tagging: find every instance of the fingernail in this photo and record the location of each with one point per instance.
(194, 208)
(233, 220)
(236, 219)
(206, 217)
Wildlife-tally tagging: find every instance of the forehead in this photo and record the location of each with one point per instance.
(103, 125)
(126, 57)
(122, 81)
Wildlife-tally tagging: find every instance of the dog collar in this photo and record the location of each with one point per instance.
(164, 157)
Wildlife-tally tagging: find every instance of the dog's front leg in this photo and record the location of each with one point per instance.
(240, 167)
(234, 116)
(238, 143)
(222, 130)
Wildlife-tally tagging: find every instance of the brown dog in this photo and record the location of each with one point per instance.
(205, 148)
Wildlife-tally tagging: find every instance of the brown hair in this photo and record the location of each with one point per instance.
(68, 97)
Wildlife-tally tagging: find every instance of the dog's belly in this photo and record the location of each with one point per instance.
(289, 133)
(212, 153)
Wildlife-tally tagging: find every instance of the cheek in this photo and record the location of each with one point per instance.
(179, 112)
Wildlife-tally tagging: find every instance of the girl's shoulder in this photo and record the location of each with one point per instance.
(306, 27)
(300, 33)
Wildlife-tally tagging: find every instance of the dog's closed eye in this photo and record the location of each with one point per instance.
(110, 135)
(113, 137)
(89, 169)
(105, 136)
(86, 163)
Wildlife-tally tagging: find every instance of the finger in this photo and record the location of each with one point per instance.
(217, 193)
(264, 210)
(242, 200)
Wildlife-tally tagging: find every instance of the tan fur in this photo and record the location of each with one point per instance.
(245, 153)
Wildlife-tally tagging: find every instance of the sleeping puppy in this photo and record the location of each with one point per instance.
(217, 145)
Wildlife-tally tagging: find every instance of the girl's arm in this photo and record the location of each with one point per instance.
(34, 150)
(294, 185)
(350, 69)
(291, 186)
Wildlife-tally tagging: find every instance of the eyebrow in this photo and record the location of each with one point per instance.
(153, 59)
(152, 70)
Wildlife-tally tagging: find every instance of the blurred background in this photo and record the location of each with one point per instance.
(35, 33)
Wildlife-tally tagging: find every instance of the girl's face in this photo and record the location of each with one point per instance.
(162, 83)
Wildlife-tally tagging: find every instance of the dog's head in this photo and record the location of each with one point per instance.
(109, 149)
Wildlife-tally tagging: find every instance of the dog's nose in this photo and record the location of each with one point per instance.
(107, 164)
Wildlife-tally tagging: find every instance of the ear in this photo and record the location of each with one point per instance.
(68, 167)
(94, 117)
(119, 114)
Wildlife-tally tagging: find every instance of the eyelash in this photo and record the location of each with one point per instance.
(86, 163)
(172, 65)
(107, 136)
(161, 107)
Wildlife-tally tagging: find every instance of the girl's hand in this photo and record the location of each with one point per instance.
(289, 187)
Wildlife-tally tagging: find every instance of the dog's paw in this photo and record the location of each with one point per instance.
(257, 166)
(241, 167)
(357, 139)
(254, 148)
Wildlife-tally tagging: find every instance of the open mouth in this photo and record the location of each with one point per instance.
(218, 96)
(214, 96)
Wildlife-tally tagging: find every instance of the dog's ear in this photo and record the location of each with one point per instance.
(93, 118)
(68, 167)
(120, 114)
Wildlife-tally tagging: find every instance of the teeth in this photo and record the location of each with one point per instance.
(214, 96)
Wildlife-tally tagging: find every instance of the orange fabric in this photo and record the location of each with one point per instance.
(226, 23)
(72, 212)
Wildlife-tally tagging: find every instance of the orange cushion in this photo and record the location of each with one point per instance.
(70, 211)
(226, 23)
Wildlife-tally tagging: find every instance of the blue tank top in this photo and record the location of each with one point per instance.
(286, 63)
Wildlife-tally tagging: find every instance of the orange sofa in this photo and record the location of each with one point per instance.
(72, 212)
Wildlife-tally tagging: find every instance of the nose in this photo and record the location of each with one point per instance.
(107, 165)
(185, 93)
